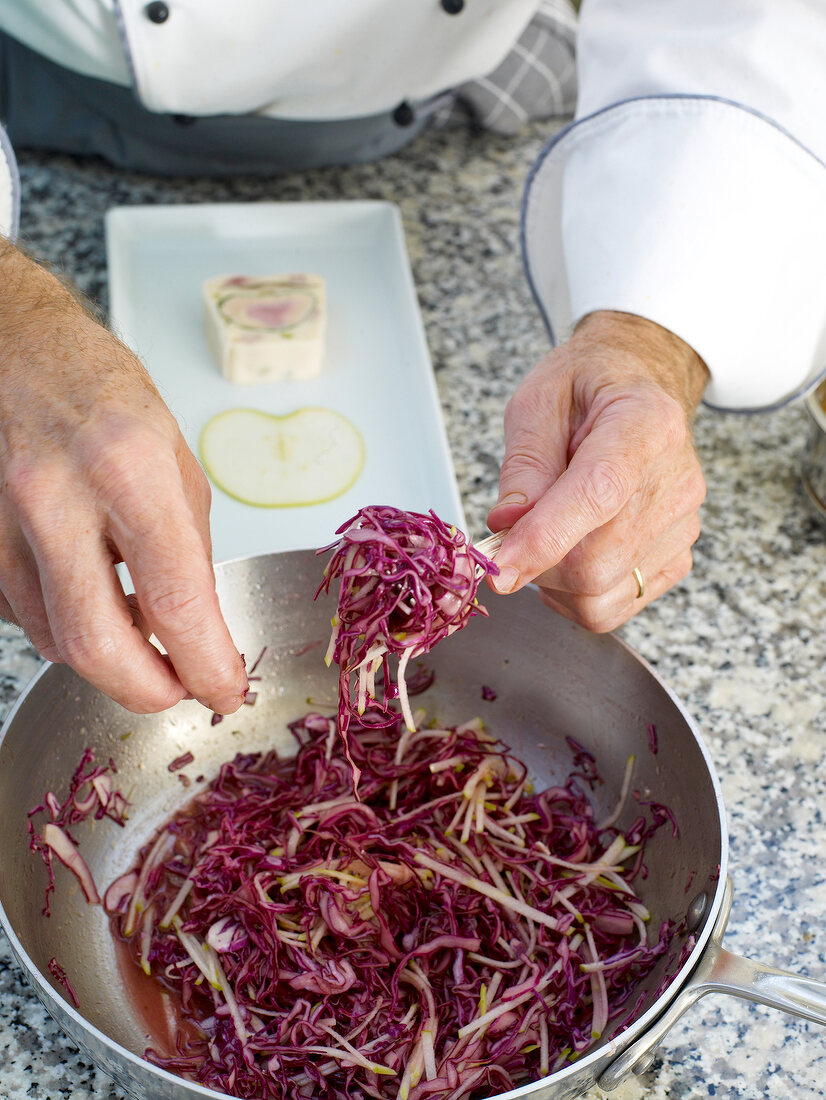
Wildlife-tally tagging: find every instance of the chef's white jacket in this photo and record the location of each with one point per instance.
(690, 189)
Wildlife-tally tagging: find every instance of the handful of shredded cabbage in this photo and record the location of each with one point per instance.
(407, 580)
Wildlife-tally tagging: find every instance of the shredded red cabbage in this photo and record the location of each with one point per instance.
(91, 794)
(180, 762)
(653, 742)
(59, 975)
(407, 580)
(451, 934)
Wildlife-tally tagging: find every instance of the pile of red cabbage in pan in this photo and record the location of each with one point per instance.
(449, 933)
(394, 911)
(406, 581)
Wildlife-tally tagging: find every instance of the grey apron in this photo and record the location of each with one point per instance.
(45, 106)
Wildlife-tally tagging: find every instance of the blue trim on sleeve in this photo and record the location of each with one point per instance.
(8, 152)
(566, 130)
(797, 395)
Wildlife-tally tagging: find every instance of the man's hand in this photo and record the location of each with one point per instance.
(93, 471)
(600, 475)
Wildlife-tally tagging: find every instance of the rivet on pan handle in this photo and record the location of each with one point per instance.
(720, 971)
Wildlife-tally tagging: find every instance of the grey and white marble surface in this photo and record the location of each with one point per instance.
(741, 641)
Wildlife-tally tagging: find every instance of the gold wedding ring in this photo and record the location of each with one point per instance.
(640, 579)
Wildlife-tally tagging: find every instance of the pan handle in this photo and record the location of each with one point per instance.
(720, 971)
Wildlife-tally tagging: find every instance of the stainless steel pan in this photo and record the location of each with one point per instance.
(552, 680)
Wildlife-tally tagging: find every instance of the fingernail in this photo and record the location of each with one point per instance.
(226, 705)
(512, 498)
(507, 579)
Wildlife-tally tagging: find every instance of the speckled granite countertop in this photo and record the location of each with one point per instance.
(741, 641)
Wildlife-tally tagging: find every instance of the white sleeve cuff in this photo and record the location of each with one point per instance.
(700, 215)
(9, 190)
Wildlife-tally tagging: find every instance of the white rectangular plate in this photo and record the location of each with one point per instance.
(377, 369)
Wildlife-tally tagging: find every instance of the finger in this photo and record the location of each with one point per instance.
(607, 469)
(601, 602)
(199, 494)
(604, 613)
(165, 553)
(21, 598)
(145, 629)
(6, 613)
(94, 630)
(85, 605)
(642, 533)
(138, 618)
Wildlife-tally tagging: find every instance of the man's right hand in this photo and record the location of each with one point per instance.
(94, 471)
(601, 486)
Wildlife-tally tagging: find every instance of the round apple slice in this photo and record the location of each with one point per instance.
(311, 455)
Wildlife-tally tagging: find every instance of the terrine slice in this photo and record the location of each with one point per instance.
(266, 328)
